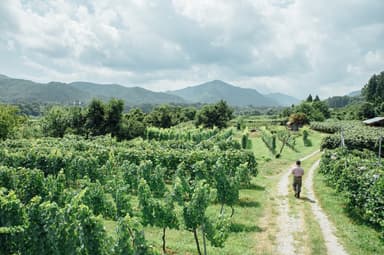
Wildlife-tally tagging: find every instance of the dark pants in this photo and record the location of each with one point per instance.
(297, 185)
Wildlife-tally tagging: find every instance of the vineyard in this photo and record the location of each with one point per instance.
(65, 190)
(355, 135)
(351, 164)
(358, 175)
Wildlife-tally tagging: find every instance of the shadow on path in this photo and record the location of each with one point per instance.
(306, 199)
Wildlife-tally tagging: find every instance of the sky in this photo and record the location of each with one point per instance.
(296, 47)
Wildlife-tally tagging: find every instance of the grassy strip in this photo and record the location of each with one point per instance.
(315, 238)
(357, 238)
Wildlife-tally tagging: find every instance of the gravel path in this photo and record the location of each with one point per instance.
(288, 223)
(328, 230)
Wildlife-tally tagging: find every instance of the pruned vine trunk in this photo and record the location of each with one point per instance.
(197, 241)
(163, 237)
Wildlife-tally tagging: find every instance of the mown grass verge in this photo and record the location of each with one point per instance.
(357, 237)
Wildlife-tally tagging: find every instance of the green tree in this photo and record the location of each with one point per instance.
(9, 120)
(299, 118)
(114, 115)
(373, 91)
(214, 115)
(78, 120)
(161, 116)
(317, 99)
(188, 113)
(309, 98)
(322, 107)
(56, 121)
(132, 125)
(366, 111)
(95, 121)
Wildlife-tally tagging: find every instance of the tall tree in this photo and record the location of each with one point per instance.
(373, 91)
(113, 116)
(9, 120)
(214, 115)
(96, 118)
(56, 121)
(309, 98)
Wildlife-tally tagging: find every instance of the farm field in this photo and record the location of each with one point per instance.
(121, 188)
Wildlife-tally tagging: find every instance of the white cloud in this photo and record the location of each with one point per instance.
(296, 47)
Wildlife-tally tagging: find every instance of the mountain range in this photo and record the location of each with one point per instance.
(25, 91)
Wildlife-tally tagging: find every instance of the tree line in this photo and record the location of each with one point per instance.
(99, 118)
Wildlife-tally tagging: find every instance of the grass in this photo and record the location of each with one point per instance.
(357, 238)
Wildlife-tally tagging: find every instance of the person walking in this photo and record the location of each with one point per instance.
(297, 173)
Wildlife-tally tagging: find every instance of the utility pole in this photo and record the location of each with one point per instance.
(379, 156)
(342, 144)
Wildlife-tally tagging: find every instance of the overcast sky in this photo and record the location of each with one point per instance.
(294, 47)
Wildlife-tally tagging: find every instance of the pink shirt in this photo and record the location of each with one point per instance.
(298, 171)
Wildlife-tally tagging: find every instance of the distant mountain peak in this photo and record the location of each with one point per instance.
(213, 91)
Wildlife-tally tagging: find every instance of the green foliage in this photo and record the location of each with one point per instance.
(132, 125)
(366, 111)
(196, 135)
(340, 101)
(55, 230)
(217, 231)
(95, 120)
(356, 135)
(245, 140)
(194, 210)
(95, 198)
(113, 117)
(313, 110)
(161, 116)
(62, 183)
(309, 98)
(9, 120)
(130, 238)
(78, 120)
(56, 121)
(298, 118)
(373, 91)
(227, 184)
(360, 178)
(306, 140)
(13, 222)
(286, 138)
(269, 140)
(214, 115)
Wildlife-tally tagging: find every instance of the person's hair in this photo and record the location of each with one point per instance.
(298, 162)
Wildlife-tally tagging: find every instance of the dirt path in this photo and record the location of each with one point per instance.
(331, 242)
(289, 225)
